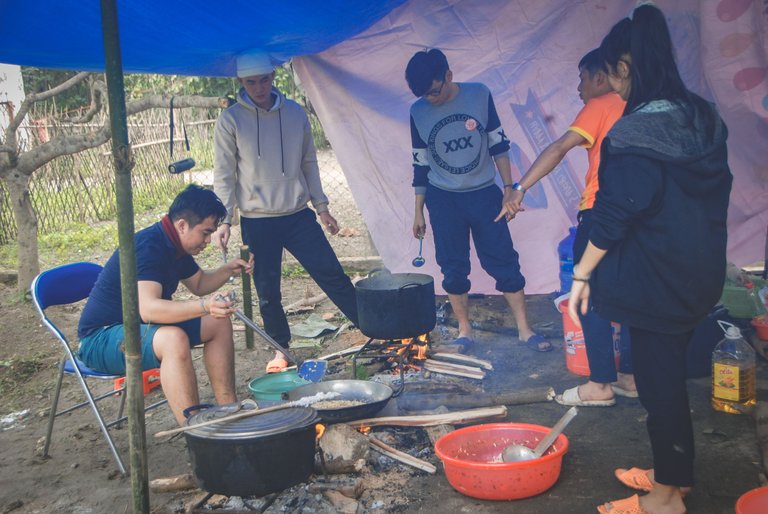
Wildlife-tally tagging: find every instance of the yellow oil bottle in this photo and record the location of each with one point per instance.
(733, 372)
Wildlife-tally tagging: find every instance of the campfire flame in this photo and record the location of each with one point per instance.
(319, 431)
(411, 350)
(364, 430)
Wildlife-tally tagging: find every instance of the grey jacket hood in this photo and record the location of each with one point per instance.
(245, 100)
(664, 131)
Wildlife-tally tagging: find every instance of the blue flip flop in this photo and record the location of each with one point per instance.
(466, 342)
(535, 341)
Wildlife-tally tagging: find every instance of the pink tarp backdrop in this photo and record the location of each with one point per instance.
(527, 54)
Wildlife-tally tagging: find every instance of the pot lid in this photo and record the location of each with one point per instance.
(260, 425)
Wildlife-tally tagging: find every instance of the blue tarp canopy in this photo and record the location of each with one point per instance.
(191, 37)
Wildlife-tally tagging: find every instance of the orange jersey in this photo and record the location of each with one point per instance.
(592, 123)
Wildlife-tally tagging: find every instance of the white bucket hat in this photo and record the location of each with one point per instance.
(254, 63)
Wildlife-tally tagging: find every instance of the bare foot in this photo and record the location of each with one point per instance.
(626, 381)
(663, 499)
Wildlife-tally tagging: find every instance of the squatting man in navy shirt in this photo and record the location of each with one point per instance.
(169, 328)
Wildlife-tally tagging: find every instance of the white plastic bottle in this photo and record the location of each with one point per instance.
(733, 372)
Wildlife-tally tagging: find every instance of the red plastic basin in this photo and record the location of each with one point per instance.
(472, 460)
(753, 502)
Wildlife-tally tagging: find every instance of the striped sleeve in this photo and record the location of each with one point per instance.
(498, 142)
(420, 163)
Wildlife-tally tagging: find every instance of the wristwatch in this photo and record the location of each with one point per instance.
(517, 187)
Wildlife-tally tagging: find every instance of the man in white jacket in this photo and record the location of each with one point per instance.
(266, 165)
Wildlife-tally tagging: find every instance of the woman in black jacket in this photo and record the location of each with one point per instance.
(656, 256)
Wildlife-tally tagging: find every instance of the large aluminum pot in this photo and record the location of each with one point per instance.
(396, 305)
(252, 456)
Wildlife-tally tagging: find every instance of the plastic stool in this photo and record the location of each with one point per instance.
(151, 379)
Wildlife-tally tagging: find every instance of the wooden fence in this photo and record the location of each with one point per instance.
(81, 187)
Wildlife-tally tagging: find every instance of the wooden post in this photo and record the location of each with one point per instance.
(121, 151)
(245, 278)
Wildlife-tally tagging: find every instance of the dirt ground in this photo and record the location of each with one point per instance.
(81, 477)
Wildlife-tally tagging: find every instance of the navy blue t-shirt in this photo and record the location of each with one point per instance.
(155, 261)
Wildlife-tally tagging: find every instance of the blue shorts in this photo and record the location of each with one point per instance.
(104, 348)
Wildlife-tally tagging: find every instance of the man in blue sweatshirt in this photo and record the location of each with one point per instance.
(265, 164)
(458, 144)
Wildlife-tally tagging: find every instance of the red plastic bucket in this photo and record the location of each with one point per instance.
(575, 349)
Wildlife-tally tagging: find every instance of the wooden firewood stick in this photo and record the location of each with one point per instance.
(453, 365)
(401, 456)
(334, 355)
(428, 420)
(430, 401)
(446, 356)
(455, 373)
(475, 373)
(352, 488)
(172, 484)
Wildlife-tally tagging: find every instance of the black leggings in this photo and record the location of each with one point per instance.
(660, 372)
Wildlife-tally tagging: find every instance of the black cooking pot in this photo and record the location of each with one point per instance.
(373, 395)
(252, 456)
(396, 305)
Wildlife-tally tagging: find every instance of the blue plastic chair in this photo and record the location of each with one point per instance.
(68, 284)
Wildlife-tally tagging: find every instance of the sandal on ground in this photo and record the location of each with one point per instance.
(629, 505)
(571, 397)
(538, 343)
(277, 365)
(465, 342)
(635, 478)
(626, 393)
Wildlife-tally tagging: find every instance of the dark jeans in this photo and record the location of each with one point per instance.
(598, 332)
(301, 235)
(660, 371)
(453, 217)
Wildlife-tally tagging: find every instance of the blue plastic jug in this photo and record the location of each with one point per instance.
(565, 254)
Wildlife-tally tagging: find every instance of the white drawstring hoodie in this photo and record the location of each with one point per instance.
(265, 161)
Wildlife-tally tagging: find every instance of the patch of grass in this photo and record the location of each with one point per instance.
(9, 255)
(293, 271)
(17, 370)
(77, 240)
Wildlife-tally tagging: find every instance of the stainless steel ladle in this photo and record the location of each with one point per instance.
(419, 261)
(520, 452)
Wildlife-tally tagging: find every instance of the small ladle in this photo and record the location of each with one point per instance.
(520, 452)
(419, 261)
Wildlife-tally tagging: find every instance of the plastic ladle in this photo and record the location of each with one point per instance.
(520, 452)
(419, 261)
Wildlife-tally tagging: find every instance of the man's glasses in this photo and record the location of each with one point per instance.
(434, 92)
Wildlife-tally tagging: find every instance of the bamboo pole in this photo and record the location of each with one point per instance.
(245, 278)
(121, 151)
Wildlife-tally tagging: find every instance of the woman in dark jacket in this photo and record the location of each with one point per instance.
(656, 257)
